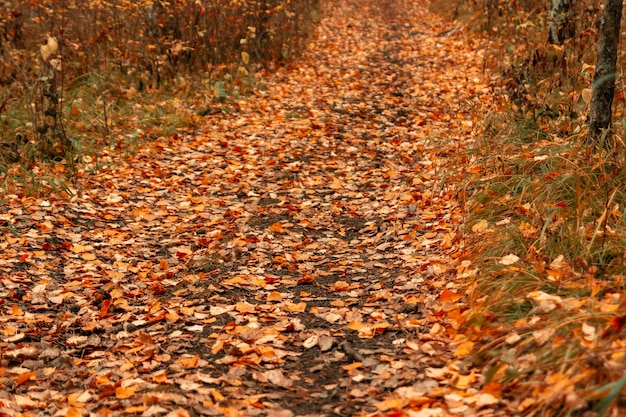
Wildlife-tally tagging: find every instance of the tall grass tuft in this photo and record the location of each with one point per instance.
(546, 218)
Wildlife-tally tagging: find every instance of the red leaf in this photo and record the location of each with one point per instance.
(104, 310)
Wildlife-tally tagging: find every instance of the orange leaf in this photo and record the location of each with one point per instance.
(136, 409)
(336, 184)
(190, 362)
(356, 325)
(494, 388)
(104, 310)
(351, 366)
(88, 256)
(217, 346)
(274, 296)
(76, 248)
(306, 278)
(297, 308)
(73, 412)
(122, 393)
(160, 378)
(448, 296)
(464, 349)
(276, 228)
(389, 404)
(341, 286)
(25, 377)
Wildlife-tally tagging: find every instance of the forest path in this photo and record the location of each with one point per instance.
(297, 255)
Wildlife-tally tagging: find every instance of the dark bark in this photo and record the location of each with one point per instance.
(603, 86)
(562, 22)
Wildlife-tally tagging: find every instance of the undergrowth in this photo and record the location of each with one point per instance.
(548, 224)
(78, 77)
(546, 219)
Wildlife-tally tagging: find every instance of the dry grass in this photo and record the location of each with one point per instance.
(547, 218)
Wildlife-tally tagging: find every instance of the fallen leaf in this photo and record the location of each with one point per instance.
(276, 228)
(464, 349)
(509, 259)
(125, 392)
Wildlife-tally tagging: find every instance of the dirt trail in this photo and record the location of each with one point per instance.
(296, 255)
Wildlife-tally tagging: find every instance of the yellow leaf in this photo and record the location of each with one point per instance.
(527, 230)
(526, 404)
(217, 396)
(103, 380)
(543, 335)
(46, 226)
(413, 344)
(180, 412)
(188, 311)
(217, 346)
(127, 365)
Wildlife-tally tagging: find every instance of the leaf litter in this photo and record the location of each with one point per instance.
(299, 255)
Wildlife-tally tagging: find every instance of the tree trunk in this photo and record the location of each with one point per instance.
(562, 23)
(603, 86)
